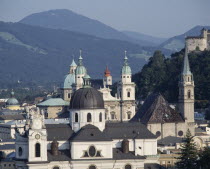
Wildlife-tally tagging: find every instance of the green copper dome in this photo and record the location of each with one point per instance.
(80, 68)
(126, 68)
(12, 100)
(68, 81)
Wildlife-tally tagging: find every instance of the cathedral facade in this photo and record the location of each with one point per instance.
(117, 108)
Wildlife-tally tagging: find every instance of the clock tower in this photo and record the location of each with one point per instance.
(37, 139)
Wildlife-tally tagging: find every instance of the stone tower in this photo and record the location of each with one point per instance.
(126, 92)
(107, 77)
(186, 93)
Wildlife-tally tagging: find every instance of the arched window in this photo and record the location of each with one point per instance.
(105, 115)
(20, 151)
(76, 117)
(129, 115)
(69, 95)
(128, 166)
(129, 94)
(112, 115)
(56, 167)
(92, 167)
(189, 94)
(89, 117)
(37, 150)
(100, 117)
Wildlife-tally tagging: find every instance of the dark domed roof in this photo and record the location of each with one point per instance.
(87, 98)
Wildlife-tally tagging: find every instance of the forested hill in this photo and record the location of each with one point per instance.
(162, 74)
(36, 54)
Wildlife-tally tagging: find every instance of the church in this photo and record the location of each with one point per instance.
(118, 108)
(89, 141)
(105, 132)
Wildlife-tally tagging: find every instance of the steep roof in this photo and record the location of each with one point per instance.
(186, 65)
(59, 132)
(157, 110)
(54, 102)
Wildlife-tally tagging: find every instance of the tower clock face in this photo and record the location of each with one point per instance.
(37, 136)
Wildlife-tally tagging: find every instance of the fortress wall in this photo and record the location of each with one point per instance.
(192, 43)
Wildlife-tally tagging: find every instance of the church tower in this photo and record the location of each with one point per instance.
(80, 73)
(186, 91)
(126, 92)
(69, 80)
(107, 77)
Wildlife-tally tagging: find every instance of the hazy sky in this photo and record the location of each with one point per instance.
(163, 18)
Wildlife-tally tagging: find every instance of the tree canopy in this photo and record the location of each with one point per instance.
(162, 74)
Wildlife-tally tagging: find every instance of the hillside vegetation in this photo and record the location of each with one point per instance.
(36, 54)
(162, 74)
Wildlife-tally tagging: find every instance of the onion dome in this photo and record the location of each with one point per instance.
(12, 100)
(126, 68)
(87, 97)
(68, 81)
(80, 70)
(107, 73)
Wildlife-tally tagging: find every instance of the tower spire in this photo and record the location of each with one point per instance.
(125, 59)
(186, 65)
(80, 58)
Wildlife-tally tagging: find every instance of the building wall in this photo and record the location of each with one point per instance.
(168, 129)
(193, 43)
(78, 149)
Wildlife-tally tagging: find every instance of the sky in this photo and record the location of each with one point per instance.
(160, 18)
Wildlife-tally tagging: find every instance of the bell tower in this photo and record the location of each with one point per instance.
(186, 91)
(126, 92)
(107, 77)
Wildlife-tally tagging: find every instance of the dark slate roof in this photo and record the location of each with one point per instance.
(7, 147)
(90, 133)
(87, 98)
(64, 155)
(10, 112)
(152, 166)
(170, 140)
(12, 117)
(119, 155)
(59, 132)
(129, 130)
(157, 110)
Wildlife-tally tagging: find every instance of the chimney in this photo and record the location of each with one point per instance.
(125, 146)
(54, 148)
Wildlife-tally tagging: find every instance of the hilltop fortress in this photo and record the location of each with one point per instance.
(201, 42)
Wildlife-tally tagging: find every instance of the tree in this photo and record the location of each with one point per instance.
(204, 161)
(189, 155)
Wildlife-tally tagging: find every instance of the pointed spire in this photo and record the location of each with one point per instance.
(125, 58)
(73, 62)
(186, 65)
(80, 58)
